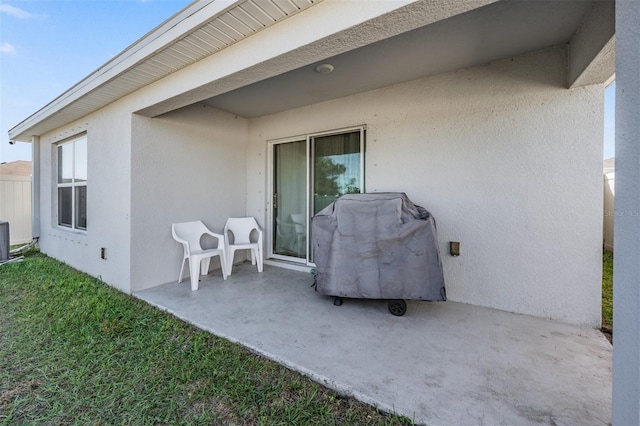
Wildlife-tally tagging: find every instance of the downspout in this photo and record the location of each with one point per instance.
(35, 186)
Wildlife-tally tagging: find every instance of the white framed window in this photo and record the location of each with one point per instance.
(71, 183)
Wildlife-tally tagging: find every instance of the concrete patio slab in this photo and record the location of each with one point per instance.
(443, 363)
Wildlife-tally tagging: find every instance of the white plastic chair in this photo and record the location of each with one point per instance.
(242, 228)
(189, 235)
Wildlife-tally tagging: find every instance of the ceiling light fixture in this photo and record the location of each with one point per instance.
(324, 68)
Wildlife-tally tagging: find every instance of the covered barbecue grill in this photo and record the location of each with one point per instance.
(377, 246)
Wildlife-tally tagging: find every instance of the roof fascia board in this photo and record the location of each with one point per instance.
(179, 25)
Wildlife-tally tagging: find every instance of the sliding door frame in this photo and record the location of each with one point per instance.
(271, 168)
(271, 146)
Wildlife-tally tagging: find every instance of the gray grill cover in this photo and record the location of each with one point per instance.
(377, 246)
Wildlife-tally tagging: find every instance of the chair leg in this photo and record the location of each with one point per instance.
(184, 259)
(230, 261)
(223, 265)
(204, 269)
(254, 257)
(194, 266)
(260, 260)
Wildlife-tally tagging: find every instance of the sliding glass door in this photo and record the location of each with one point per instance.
(308, 175)
(290, 199)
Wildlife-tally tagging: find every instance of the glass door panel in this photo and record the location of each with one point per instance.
(336, 168)
(290, 199)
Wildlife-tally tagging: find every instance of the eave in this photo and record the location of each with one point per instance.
(199, 30)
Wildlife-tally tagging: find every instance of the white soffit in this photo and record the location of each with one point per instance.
(199, 30)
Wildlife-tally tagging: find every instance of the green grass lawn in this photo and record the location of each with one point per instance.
(607, 292)
(75, 351)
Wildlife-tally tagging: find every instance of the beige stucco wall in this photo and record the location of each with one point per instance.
(187, 165)
(108, 197)
(626, 272)
(506, 159)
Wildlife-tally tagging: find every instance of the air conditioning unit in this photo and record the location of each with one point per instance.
(4, 241)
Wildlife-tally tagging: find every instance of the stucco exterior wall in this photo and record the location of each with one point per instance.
(187, 165)
(626, 265)
(108, 197)
(144, 174)
(507, 160)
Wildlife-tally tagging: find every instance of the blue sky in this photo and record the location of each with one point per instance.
(47, 46)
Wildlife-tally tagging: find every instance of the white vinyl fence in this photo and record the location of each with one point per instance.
(15, 206)
(609, 212)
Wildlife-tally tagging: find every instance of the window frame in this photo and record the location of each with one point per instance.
(74, 183)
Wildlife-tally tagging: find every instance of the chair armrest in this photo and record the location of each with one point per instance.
(219, 237)
(185, 243)
(174, 235)
(180, 240)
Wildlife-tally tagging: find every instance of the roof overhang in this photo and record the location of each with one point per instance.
(492, 32)
(374, 43)
(199, 30)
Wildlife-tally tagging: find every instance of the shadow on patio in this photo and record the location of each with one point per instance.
(442, 363)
